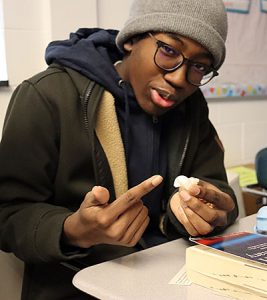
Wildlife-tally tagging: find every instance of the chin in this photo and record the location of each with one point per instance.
(150, 108)
(156, 111)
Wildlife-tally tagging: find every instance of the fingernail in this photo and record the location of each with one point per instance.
(185, 196)
(156, 180)
(195, 190)
(95, 187)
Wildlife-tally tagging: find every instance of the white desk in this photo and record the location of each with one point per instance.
(145, 275)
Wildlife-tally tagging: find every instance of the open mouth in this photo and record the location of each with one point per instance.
(162, 98)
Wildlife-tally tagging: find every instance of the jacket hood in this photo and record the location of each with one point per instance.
(92, 52)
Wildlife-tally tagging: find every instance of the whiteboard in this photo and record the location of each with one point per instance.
(244, 72)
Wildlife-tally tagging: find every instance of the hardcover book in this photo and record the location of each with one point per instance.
(235, 262)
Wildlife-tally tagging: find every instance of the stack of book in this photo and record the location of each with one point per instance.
(234, 265)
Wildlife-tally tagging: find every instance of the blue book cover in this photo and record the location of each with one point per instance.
(243, 244)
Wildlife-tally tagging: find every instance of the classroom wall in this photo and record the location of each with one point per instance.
(30, 24)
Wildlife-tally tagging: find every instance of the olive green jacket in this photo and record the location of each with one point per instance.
(61, 137)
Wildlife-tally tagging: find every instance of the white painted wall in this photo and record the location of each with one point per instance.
(242, 127)
(67, 16)
(30, 24)
(3, 69)
(27, 31)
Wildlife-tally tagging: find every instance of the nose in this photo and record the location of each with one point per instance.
(177, 78)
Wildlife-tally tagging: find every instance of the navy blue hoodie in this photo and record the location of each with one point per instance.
(93, 52)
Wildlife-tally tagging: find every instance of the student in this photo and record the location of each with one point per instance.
(91, 146)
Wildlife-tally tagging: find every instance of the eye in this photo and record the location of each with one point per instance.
(168, 50)
(201, 68)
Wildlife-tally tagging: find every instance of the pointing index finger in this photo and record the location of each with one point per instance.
(134, 194)
(143, 188)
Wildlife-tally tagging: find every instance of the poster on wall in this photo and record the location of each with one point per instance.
(263, 5)
(244, 71)
(238, 6)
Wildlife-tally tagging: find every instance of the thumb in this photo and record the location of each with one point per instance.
(101, 194)
(97, 196)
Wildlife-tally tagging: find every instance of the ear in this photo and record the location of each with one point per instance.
(128, 46)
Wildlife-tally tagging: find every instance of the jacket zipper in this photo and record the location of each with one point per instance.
(184, 151)
(155, 121)
(86, 98)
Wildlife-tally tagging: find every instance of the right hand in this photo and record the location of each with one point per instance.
(121, 222)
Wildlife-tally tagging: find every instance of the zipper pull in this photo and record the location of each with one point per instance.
(155, 119)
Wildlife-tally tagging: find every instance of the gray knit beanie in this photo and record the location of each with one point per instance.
(204, 21)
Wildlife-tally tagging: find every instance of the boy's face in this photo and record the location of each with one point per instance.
(156, 90)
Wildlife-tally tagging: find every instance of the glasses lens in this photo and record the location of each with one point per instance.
(168, 58)
(199, 74)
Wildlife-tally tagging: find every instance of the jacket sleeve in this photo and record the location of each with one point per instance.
(206, 162)
(30, 225)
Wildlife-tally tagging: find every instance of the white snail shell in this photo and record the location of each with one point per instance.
(185, 182)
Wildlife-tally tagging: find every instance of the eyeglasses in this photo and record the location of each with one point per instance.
(170, 59)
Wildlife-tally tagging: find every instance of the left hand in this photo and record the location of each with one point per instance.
(201, 208)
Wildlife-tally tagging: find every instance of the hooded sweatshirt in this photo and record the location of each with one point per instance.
(93, 53)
